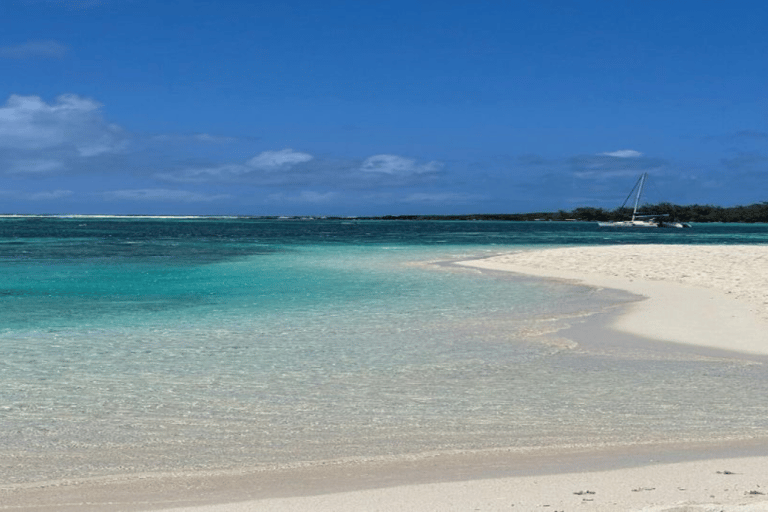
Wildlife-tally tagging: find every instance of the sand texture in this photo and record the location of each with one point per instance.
(707, 295)
(730, 485)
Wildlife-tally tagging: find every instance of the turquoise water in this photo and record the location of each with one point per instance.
(134, 345)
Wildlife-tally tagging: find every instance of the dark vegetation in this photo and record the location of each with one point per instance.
(690, 213)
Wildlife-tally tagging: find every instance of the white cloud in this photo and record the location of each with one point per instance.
(623, 153)
(397, 165)
(271, 160)
(34, 49)
(160, 194)
(29, 123)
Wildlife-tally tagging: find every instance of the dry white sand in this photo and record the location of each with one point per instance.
(716, 485)
(707, 295)
(727, 485)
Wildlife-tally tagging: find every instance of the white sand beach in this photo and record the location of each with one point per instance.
(734, 484)
(727, 485)
(710, 296)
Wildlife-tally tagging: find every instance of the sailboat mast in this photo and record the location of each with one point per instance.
(639, 193)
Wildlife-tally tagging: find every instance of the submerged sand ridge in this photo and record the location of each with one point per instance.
(713, 296)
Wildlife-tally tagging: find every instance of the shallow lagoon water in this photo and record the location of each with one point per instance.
(132, 346)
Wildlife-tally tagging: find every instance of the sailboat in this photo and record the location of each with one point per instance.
(639, 220)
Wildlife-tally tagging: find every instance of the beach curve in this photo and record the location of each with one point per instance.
(713, 296)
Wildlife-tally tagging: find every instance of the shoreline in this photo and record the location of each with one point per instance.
(725, 477)
(628, 477)
(730, 485)
(687, 301)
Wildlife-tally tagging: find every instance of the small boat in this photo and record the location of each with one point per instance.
(642, 220)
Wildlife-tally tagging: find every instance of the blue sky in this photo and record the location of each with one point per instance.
(375, 108)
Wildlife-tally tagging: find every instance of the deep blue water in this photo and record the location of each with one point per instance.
(108, 233)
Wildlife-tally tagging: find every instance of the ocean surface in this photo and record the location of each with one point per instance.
(134, 345)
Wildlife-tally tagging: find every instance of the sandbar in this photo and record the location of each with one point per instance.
(713, 296)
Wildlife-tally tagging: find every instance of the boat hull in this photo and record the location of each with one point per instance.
(629, 224)
(643, 224)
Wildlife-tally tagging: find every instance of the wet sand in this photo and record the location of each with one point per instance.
(673, 478)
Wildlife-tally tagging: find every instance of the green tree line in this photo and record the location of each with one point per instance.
(688, 213)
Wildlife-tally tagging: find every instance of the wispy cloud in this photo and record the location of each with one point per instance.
(625, 162)
(264, 162)
(273, 160)
(203, 174)
(306, 197)
(35, 166)
(34, 50)
(624, 153)
(206, 138)
(397, 165)
(751, 134)
(441, 198)
(291, 168)
(160, 194)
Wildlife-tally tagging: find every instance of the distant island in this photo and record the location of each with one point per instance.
(689, 213)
